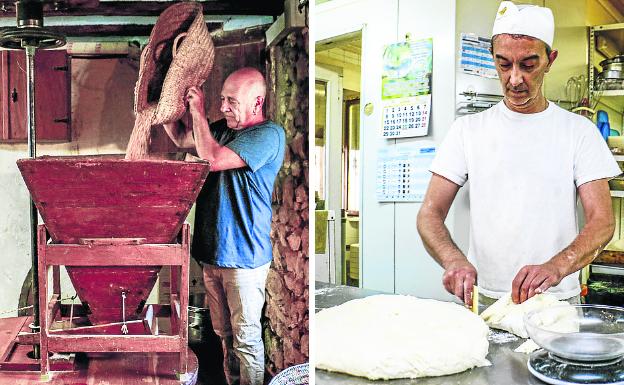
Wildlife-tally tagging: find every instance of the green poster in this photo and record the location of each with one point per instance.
(407, 69)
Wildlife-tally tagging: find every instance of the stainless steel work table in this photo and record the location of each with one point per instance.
(508, 367)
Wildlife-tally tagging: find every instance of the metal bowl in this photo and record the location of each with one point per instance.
(578, 332)
(612, 74)
(615, 63)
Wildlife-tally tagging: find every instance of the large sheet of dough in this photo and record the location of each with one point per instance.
(395, 336)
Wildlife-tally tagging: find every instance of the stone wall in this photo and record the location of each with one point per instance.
(286, 326)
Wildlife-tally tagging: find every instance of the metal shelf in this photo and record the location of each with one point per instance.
(617, 193)
(618, 158)
(609, 97)
(608, 27)
(611, 269)
(610, 92)
(615, 33)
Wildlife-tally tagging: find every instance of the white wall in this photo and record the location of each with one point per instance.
(392, 256)
(415, 271)
(375, 20)
(102, 119)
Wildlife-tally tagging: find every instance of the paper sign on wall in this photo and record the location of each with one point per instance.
(475, 56)
(403, 172)
(406, 88)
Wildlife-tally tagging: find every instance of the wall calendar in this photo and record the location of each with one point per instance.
(403, 172)
(406, 88)
(407, 118)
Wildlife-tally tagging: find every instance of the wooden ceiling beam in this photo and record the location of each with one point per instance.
(224, 38)
(150, 8)
(219, 37)
(113, 30)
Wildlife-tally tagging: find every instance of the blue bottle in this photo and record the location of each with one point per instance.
(602, 121)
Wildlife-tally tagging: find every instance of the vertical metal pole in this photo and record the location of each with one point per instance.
(32, 152)
(30, 100)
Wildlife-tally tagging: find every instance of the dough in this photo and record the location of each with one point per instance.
(506, 315)
(396, 336)
(527, 347)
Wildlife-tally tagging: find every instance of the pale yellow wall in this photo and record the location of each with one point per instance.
(350, 70)
(571, 42)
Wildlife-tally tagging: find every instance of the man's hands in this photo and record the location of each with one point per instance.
(181, 132)
(534, 279)
(220, 156)
(459, 278)
(194, 98)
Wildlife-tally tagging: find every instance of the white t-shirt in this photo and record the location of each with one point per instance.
(524, 170)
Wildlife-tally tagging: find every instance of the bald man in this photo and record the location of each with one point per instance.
(233, 214)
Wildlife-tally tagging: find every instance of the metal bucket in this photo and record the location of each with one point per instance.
(200, 326)
(204, 342)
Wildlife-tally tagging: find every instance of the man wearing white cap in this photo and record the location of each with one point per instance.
(527, 160)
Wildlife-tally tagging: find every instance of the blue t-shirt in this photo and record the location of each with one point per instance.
(233, 213)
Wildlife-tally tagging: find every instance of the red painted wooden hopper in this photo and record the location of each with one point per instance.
(82, 197)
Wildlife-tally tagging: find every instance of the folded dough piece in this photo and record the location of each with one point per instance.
(506, 315)
(527, 347)
(397, 336)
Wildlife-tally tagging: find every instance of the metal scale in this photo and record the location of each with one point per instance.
(591, 352)
(113, 223)
(560, 371)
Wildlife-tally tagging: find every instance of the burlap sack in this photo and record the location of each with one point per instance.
(179, 54)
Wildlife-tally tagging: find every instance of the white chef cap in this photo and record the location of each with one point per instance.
(529, 20)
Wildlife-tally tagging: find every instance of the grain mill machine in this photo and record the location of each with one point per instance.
(113, 223)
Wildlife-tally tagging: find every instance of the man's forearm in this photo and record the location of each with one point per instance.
(206, 145)
(585, 247)
(208, 148)
(437, 239)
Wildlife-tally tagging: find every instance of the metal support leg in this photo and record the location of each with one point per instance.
(42, 303)
(32, 152)
(183, 297)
